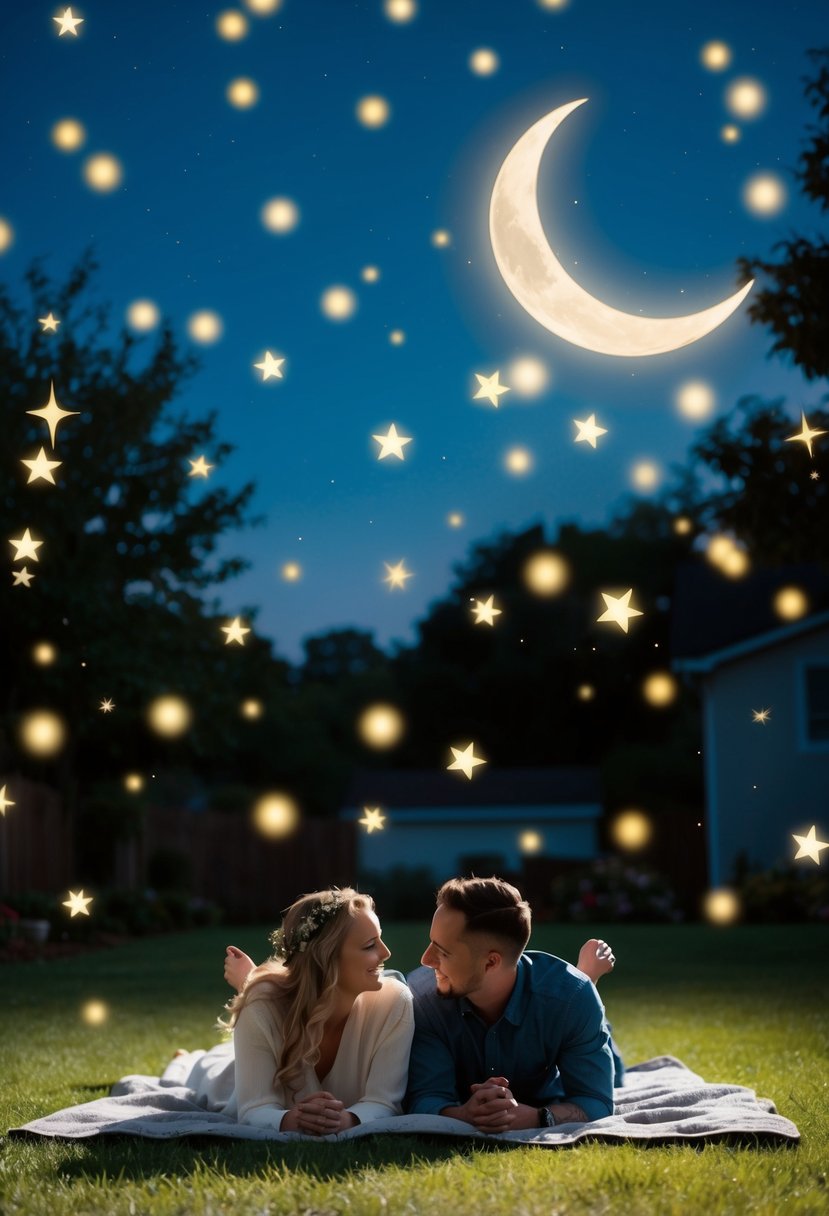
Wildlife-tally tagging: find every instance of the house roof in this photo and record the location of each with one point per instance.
(492, 787)
(762, 641)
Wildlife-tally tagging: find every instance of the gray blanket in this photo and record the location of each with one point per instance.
(661, 1100)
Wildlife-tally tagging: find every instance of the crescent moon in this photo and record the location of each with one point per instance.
(543, 287)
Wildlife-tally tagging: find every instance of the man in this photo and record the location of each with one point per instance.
(504, 1039)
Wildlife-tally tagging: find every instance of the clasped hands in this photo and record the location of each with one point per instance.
(492, 1108)
(320, 1114)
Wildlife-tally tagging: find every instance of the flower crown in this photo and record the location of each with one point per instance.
(321, 913)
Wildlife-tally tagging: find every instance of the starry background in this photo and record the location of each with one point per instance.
(640, 196)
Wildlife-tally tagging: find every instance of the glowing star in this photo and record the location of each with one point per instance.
(22, 577)
(52, 413)
(49, 322)
(618, 609)
(270, 367)
(40, 469)
(485, 612)
(815, 476)
(68, 23)
(77, 903)
(809, 846)
(4, 801)
(235, 631)
(391, 444)
(397, 574)
(199, 467)
(760, 715)
(465, 760)
(806, 435)
(107, 705)
(489, 388)
(26, 547)
(588, 431)
(372, 820)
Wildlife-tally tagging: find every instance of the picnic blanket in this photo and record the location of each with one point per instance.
(661, 1101)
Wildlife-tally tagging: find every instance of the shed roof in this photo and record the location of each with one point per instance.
(492, 787)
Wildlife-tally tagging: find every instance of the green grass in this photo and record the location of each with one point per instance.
(745, 1004)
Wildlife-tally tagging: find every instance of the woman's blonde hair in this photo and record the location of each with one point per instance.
(302, 981)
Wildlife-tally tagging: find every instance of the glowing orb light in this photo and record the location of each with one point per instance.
(724, 553)
(291, 572)
(263, 8)
(553, 3)
(373, 111)
(660, 689)
(232, 25)
(645, 475)
(133, 783)
(528, 376)
(44, 654)
(721, 906)
(6, 235)
(381, 726)
(94, 1013)
(585, 692)
(169, 716)
(441, 238)
(683, 526)
(546, 573)
(42, 733)
(715, 56)
(484, 61)
(370, 274)
(243, 93)
(275, 816)
(280, 215)
(338, 303)
(518, 461)
(205, 326)
(251, 709)
(790, 603)
(631, 830)
(729, 134)
(68, 135)
(695, 400)
(531, 842)
(455, 519)
(746, 98)
(764, 194)
(103, 172)
(400, 11)
(397, 337)
(143, 315)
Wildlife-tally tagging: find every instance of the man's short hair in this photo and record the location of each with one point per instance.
(492, 907)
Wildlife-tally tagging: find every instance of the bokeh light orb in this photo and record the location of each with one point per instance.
(660, 688)
(397, 337)
(232, 25)
(790, 603)
(695, 400)
(94, 1012)
(68, 135)
(251, 709)
(530, 842)
(518, 461)
(42, 733)
(291, 572)
(169, 716)
(683, 526)
(381, 726)
(103, 172)
(764, 194)
(721, 906)
(370, 274)
(730, 134)
(735, 563)
(133, 783)
(746, 97)
(242, 93)
(44, 654)
(716, 56)
(553, 4)
(275, 815)
(263, 8)
(441, 238)
(455, 519)
(338, 303)
(546, 573)
(205, 326)
(143, 315)
(528, 376)
(631, 830)
(373, 111)
(280, 215)
(585, 692)
(646, 475)
(484, 61)
(6, 235)
(400, 11)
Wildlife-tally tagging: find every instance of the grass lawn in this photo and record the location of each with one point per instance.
(745, 1004)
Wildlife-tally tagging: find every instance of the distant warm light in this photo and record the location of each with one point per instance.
(263, 8)
(280, 215)
(455, 519)
(695, 400)
(546, 573)
(400, 10)
(585, 692)
(44, 654)
(291, 572)
(205, 327)
(765, 194)
(103, 172)
(645, 475)
(338, 303)
(381, 726)
(169, 716)
(553, 3)
(724, 553)
(518, 461)
(484, 61)
(373, 111)
(242, 93)
(531, 842)
(232, 25)
(441, 238)
(143, 315)
(631, 830)
(715, 56)
(746, 98)
(42, 733)
(729, 134)
(251, 709)
(275, 816)
(94, 1013)
(790, 603)
(6, 235)
(370, 274)
(68, 135)
(683, 526)
(397, 337)
(721, 906)
(528, 376)
(660, 688)
(133, 783)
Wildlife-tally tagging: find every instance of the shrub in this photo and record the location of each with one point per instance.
(612, 889)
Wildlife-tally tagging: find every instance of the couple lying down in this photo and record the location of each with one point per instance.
(484, 1031)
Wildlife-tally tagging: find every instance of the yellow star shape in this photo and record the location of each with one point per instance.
(52, 413)
(809, 846)
(77, 903)
(489, 388)
(49, 322)
(485, 612)
(391, 444)
(397, 574)
(26, 546)
(465, 760)
(618, 609)
(107, 705)
(588, 431)
(235, 631)
(199, 467)
(68, 23)
(372, 820)
(761, 715)
(40, 469)
(270, 367)
(805, 435)
(23, 577)
(5, 802)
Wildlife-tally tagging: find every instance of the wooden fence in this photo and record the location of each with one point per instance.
(36, 851)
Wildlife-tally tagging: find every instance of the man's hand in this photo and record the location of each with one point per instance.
(320, 1114)
(238, 966)
(492, 1108)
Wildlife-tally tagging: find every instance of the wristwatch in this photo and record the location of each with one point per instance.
(545, 1117)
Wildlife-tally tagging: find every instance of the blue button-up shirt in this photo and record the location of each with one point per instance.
(551, 1042)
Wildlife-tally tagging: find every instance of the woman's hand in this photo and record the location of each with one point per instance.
(320, 1114)
(238, 966)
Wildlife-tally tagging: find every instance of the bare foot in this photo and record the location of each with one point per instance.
(595, 959)
(237, 967)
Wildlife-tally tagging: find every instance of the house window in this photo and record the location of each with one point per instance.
(817, 704)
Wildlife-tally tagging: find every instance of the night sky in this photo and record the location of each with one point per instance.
(640, 194)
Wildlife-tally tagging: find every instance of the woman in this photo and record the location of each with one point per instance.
(321, 1037)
